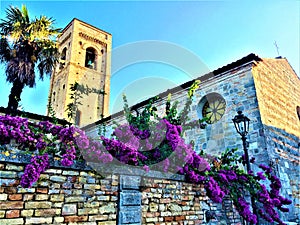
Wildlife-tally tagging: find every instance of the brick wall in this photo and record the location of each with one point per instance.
(62, 196)
(80, 196)
(176, 202)
(278, 94)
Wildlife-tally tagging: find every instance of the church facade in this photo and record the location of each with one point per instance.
(265, 90)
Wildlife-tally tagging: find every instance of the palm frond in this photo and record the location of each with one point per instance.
(5, 50)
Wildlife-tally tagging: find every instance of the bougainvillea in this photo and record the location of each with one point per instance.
(151, 142)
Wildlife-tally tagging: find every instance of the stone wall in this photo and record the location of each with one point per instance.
(177, 202)
(62, 196)
(77, 195)
(278, 95)
(284, 154)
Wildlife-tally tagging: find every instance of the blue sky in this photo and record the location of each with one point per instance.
(213, 32)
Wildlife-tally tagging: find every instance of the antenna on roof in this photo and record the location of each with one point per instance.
(277, 49)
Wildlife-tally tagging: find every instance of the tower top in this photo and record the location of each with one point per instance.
(83, 23)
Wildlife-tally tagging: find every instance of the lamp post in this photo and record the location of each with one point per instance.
(241, 124)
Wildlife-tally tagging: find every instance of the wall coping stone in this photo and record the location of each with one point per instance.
(9, 154)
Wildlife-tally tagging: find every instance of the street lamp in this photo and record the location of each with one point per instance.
(241, 124)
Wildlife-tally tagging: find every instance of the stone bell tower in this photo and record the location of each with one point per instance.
(85, 59)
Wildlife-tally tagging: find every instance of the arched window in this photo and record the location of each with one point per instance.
(63, 57)
(90, 58)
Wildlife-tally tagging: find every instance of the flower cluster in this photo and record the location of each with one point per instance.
(33, 171)
(244, 210)
(42, 137)
(271, 199)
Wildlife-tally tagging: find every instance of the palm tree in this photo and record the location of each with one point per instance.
(25, 43)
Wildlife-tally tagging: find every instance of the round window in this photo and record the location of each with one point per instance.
(212, 107)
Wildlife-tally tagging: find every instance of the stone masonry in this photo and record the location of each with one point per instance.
(79, 196)
(267, 91)
(61, 196)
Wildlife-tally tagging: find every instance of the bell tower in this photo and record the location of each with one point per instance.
(85, 60)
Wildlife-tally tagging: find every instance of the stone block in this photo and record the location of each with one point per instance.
(27, 197)
(38, 220)
(38, 205)
(91, 204)
(27, 212)
(26, 190)
(12, 221)
(98, 218)
(76, 192)
(109, 208)
(42, 190)
(15, 197)
(130, 182)
(39, 197)
(91, 180)
(87, 211)
(70, 173)
(3, 197)
(47, 212)
(69, 209)
(92, 186)
(12, 214)
(75, 199)
(53, 191)
(130, 214)
(54, 171)
(153, 207)
(130, 197)
(58, 220)
(82, 173)
(58, 178)
(57, 205)
(78, 186)
(14, 167)
(66, 185)
(8, 174)
(11, 205)
(69, 219)
(153, 219)
(107, 223)
(57, 198)
(103, 198)
(2, 213)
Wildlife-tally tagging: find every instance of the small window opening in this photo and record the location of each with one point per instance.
(64, 86)
(77, 117)
(63, 58)
(298, 111)
(90, 58)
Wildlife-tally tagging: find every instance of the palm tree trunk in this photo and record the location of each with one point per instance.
(14, 97)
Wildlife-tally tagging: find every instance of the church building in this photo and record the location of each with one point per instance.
(266, 90)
